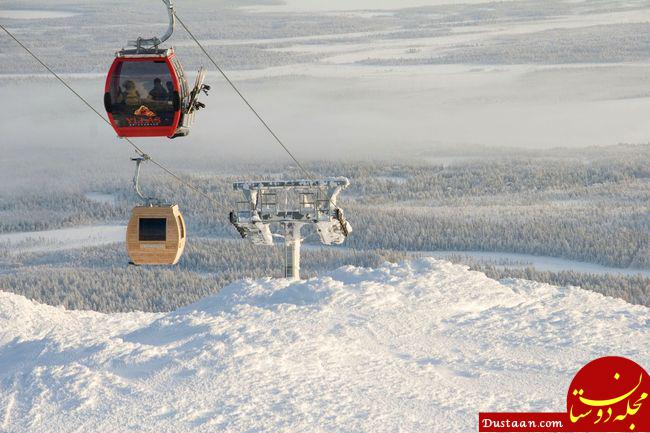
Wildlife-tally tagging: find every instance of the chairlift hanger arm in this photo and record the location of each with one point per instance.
(136, 180)
(153, 42)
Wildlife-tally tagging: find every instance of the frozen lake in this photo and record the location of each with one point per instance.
(63, 239)
(541, 263)
(351, 5)
(30, 14)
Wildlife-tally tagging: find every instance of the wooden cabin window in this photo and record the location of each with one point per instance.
(153, 229)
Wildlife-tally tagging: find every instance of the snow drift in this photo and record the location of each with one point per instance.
(414, 347)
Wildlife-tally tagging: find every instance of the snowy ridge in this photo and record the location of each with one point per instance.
(417, 347)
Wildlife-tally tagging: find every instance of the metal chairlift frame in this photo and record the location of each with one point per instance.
(316, 204)
(149, 201)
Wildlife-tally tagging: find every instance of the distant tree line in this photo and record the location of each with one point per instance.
(633, 289)
(99, 278)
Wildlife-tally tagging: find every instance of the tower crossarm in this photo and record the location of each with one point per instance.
(291, 204)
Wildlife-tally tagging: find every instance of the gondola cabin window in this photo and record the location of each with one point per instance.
(142, 94)
(153, 229)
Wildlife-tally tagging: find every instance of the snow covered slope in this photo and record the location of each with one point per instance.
(415, 347)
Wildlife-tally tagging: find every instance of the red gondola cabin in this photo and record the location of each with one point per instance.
(146, 94)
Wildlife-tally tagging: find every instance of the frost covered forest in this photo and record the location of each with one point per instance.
(588, 205)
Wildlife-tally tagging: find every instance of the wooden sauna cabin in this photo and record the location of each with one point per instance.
(155, 235)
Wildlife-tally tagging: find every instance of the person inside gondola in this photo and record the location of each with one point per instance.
(158, 93)
(118, 106)
(131, 96)
(170, 90)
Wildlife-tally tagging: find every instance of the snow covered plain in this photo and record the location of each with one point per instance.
(62, 239)
(32, 14)
(348, 5)
(540, 263)
(416, 347)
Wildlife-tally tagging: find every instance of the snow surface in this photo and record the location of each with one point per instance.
(350, 5)
(414, 347)
(32, 14)
(540, 263)
(62, 239)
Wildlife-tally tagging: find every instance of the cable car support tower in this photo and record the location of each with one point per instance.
(290, 205)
